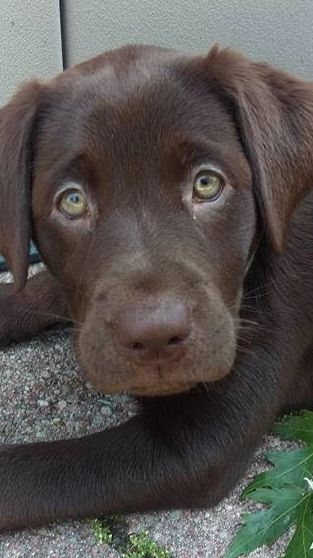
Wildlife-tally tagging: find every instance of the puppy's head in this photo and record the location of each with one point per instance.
(142, 172)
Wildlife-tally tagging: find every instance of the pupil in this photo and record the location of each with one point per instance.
(204, 181)
(74, 198)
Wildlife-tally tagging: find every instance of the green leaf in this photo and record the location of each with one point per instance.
(300, 544)
(288, 497)
(290, 467)
(266, 526)
(296, 427)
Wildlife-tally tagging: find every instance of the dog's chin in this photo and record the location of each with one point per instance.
(147, 390)
(161, 390)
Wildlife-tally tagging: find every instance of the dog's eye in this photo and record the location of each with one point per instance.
(207, 186)
(73, 204)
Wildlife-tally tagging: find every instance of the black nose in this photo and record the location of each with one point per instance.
(154, 331)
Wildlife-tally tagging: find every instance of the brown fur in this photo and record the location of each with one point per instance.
(202, 311)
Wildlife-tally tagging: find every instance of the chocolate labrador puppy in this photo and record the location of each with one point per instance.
(168, 196)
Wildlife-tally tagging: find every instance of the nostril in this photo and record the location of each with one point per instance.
(154, 331)
(172, 342)
(175, 340)
(137, 346)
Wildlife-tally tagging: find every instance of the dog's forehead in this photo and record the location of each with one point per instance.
(119, 74)
(137, 95)
(120, 117)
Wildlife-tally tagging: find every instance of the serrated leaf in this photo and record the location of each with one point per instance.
(263, 528)
(301, 542)
(290, 467)
(296, 427)
(286, 491)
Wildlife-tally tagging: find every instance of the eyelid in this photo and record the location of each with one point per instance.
(210, 167)
(68, 186)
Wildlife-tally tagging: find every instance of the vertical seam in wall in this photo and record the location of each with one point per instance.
(62, 11)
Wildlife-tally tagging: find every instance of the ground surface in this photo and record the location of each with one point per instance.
(44, 397)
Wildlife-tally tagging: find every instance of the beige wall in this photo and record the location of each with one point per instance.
(280, 31)
(30, 42)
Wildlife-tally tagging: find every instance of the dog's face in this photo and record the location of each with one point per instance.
(143, 206)
(154, 263)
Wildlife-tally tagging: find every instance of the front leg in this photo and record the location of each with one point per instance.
(40, 305)
(181, 451)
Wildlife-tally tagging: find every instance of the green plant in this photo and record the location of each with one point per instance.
(287, 492)
(141, 546)
(113, 531)
(101, 531)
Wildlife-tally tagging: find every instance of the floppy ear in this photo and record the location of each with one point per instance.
(274, 113)
(16, 131)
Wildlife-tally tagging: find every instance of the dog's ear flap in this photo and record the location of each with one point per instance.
(274, 114)
(17, 120)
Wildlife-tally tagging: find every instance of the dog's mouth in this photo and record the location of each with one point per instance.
(113, 369)
(155, 381)
(148, 389)
(150, 386)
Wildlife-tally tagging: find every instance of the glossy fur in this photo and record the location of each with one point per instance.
(228, 285)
